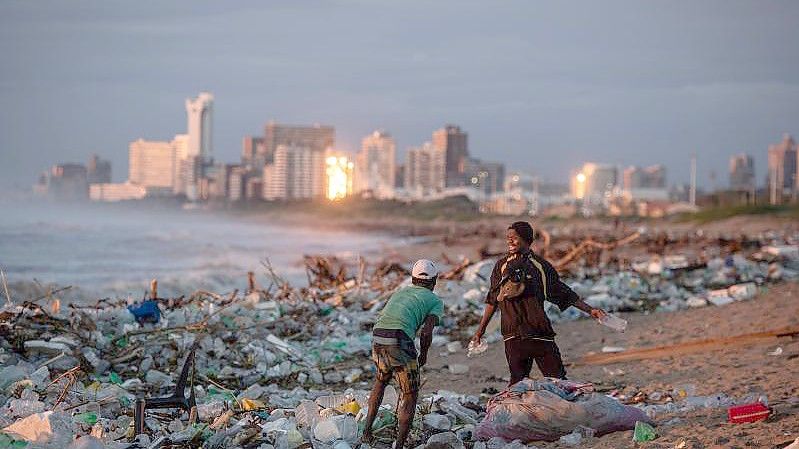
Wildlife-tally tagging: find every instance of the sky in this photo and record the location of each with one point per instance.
(541, 86)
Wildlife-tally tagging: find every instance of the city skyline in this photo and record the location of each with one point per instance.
(184, 166)
(710, 78)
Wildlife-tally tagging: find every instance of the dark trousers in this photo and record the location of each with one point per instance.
(521, 352)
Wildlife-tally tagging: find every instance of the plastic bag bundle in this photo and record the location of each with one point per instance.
(548, 409)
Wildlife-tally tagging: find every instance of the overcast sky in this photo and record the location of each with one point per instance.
(541, 86)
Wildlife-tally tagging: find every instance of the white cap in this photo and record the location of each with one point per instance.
(424, 269)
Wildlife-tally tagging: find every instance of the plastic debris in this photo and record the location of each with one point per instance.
(444, 440)
(476, 349)
(282, 383)
(548, 409)
(643, 432)
(341, 427)
(458, 368)
(46, 427)
(613, 322)
(572, 439)
(611, 349)
(87, 442)
(145, 312)
(454, 346)
(748, 413)
(777, 351)
(437, 422)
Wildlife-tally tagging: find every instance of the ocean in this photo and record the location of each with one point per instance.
(113, 251)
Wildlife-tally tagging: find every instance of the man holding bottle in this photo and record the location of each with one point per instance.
(520, 283)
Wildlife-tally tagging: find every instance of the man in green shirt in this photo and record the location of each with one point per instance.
(408, 310)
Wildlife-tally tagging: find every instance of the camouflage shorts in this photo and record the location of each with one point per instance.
(399, 363)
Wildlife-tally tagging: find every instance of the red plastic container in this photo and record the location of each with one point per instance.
(748, 413)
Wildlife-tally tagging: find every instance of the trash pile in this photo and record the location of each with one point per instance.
(287, 367)
(627, 276)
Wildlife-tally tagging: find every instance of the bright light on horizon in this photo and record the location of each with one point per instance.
(339, 177)
(578, 187)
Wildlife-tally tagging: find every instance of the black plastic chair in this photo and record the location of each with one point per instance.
(177, 400)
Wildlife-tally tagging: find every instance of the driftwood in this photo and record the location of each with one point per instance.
(325, 272)
(689, 347)
(457, 271)
(589, 244)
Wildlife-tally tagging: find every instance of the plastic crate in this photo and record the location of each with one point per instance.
(748, 413)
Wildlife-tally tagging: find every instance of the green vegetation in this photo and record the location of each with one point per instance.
(452, 208)
(720, 213)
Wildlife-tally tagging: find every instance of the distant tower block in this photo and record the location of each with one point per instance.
(200, 119)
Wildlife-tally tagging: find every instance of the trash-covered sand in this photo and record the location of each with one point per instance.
(286, 366)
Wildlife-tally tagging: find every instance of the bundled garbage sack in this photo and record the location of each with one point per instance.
(547, 409)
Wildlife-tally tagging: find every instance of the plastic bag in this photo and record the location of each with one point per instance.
(548, 409)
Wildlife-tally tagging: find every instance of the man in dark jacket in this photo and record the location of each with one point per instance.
(520, 283)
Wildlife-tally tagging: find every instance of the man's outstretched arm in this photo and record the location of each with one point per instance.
(595, 312)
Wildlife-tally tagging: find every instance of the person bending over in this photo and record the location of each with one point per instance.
(408, 311)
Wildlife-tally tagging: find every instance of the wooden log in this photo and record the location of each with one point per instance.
(689, 347)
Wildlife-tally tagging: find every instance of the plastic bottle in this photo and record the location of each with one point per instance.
(89, 418)
(476, 349)
(333, 401)
(613, 322)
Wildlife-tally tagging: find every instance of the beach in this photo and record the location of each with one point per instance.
(707, 359)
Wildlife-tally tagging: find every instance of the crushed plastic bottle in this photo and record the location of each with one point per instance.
(643, 432)
(334, 401)
(476, 349)
(572, 439)
(6, 441)
(89, 418)
(613, 322)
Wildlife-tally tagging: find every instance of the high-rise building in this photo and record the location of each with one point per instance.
(68, 182)
(297, 172)
(236, 179)
(253, 153)
(375, 165)
(108, 192)
(595, 182)
(455, 144)
(200, 120)
(399, 177)
(425, 170)
(655, 176)
(742, 173)
(782, 169)
(213, 184)
(98, 170)
(488, 177)
(186, 171)
(317, 137)
(633, 178)
(652, 177)
(152, 164)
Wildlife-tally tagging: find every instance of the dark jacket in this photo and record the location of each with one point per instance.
(525, 316)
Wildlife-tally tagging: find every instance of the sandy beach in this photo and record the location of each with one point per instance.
(759, 368)
(737, 371)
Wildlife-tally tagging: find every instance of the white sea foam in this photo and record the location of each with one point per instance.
(114, 251)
